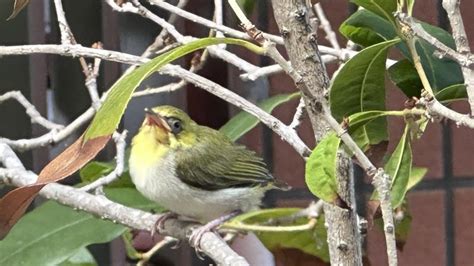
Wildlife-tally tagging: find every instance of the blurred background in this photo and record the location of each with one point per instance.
(442, 206)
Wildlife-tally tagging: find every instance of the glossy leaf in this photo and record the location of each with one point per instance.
(399, 167)
(357, 122)
(109, 114)
(404, 75)
(416, 176)
(320, 173)
(311, 242)
(364, 28)
(452, 93)
(14, 204)
(18, 6)
(383, 8)
(132, 198)
(441, 72)
(52, 233)
(82, 258)
(360, 86)
(243, 122)
(247, 5)
(95, 170)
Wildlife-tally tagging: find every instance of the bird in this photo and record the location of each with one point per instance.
(195, 172)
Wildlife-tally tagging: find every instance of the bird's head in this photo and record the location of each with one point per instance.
(167, 126)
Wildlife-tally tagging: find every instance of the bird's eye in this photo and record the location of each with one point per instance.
(175, 125)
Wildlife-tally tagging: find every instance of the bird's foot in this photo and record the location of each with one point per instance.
(198, 233)
(160, 222)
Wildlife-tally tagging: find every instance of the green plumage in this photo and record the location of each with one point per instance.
(215, 162)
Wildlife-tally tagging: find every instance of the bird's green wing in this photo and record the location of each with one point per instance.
(217, 163)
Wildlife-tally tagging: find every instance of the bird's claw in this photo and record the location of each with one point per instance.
(160, 222)
(196, 236)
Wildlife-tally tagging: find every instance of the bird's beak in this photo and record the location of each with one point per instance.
(156, 119)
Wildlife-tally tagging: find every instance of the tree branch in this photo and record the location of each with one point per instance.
(462, 45)
(211, 244)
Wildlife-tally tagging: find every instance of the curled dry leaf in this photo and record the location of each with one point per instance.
(17, 7)
(14, 204)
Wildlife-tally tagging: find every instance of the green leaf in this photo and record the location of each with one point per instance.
(383, 8)
(247, 5)
(132, 198)
(95, 170)
(360, 86)
(52, 233)
(108, 116)
(399, 167)
(357, 122)
(320, 173)
(441, 72)
(404, 75)
(416, 175)
(364, 28)
(311, 242)
(452, 93)
(82, 258)
(243, 122)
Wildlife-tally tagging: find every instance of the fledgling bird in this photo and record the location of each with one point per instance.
(195, 171)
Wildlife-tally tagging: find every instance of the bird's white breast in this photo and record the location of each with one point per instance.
(159, 183)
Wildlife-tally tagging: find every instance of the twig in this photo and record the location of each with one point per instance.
(145, 257)
(139, 9)
(330, 34)
(73, 51)
(30, 110)
(462, 45)
(285, 132)
(67, 37)
(266, 228)
(298, 117)
(409, 25)
(120, 144)
(211, 244)
(52, 137)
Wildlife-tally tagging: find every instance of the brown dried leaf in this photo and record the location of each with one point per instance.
(373, 211)
(14, 204)
(17, 7)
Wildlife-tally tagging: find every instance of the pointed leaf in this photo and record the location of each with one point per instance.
(109, 114)
(364, 27)
(14, 204)
(399, 167)
(82, 258)
(360, 86)
(243, 122)
(311, 242)
(404, 75)
(52, 233)
(416, 175)
(452, 93)
(383, 8)
(320, 174)
(17, 7)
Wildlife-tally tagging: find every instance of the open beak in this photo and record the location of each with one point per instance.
(156, 119)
